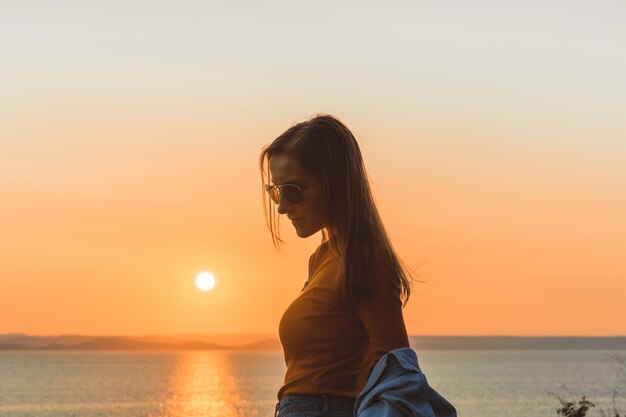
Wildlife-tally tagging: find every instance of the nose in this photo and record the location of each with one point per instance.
(284, 206)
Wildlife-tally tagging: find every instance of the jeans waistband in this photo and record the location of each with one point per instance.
(315, 402)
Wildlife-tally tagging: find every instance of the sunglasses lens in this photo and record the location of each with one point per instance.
(289, 192)
(272, 191)
(292, 193)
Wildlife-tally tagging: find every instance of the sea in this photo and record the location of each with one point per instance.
(225, 383)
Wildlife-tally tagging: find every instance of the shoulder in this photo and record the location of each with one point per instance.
(385, 277)
(381, 286)
(320, 248)
(319, 252)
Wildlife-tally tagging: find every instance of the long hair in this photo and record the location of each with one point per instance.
(326, 148)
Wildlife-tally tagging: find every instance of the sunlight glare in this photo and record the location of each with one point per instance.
(205, 281)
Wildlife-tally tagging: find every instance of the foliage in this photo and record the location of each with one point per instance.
(569, 408)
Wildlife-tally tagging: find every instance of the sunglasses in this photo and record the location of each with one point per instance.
(290, 192)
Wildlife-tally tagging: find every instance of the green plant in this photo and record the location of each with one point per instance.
(569, 408)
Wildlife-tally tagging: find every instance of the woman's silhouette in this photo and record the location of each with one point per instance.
(349, 312)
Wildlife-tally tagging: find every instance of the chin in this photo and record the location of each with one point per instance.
(303, 233)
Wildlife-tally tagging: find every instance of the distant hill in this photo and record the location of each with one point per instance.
(269, 344)
(221, 339)
(516, 342)
(120, 343)
(25, 342)
(19, 341)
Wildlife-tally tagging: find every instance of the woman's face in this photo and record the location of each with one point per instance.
(305, 216)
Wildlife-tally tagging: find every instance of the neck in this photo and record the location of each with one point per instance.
(327, 234)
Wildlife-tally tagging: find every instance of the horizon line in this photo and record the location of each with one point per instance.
(276, 335)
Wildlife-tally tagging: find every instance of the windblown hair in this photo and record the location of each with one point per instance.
(326, 148)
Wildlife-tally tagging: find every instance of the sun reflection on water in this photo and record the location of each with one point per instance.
(203, 385)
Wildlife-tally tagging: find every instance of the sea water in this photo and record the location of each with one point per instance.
(479, 383)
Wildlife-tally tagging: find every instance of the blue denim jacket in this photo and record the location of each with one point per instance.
(397, 387)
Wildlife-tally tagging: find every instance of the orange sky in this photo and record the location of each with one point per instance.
(128, 164)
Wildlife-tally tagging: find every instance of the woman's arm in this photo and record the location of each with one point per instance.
(382, 317)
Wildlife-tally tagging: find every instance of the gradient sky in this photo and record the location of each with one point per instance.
(493, 132)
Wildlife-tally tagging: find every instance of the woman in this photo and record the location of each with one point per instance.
(349, 312)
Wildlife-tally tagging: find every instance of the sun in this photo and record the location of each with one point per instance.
(205, 281)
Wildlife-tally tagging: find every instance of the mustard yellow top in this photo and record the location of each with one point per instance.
(329, 346)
